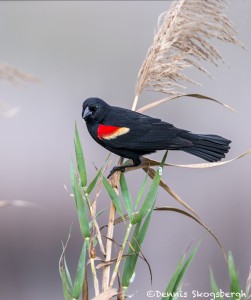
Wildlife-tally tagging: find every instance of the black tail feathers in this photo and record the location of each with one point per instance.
(208, 147)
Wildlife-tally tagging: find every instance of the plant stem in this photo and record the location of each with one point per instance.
(106, 270)
(94, 221)
(93, 268)
(135, 102)
(116, 268)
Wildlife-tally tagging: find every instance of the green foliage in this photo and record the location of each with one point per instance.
(138, 222)
(151, 196)
(134, 250)
(126, 195)
(235, 288)
(175, 282)
(113, 196)
(66, 291)
(80, 204)
(78, 283)
(93, 183)
(141, 191)
(80, 158)
(64, 272)
(214, 287)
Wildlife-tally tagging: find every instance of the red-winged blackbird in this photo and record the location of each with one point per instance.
(131, 135)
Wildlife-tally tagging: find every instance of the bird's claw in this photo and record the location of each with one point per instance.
(115, 169)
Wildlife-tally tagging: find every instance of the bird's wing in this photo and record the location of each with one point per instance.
(130, 130)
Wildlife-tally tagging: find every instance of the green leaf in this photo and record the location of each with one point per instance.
(150, 198)
(235, 287)
(68, 275)
(93, 183)
(63, 271)
(131, 260)
(174, 284)
(81, 209)
(67, 294)
(114, 197)
(141, 191)
(80, 275)
(136, 242)
(214, 286)
(126, 195)
(80, 158)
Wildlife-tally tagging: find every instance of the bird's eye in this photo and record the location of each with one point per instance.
(95, 108)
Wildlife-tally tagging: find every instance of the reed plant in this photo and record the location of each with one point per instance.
(183, 40)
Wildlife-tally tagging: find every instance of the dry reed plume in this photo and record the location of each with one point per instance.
(184, 40)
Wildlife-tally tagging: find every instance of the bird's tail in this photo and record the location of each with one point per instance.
(208, 147)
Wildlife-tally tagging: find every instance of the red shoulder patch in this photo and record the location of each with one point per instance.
(108, 132)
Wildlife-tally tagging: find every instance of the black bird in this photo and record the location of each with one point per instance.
(131, 135)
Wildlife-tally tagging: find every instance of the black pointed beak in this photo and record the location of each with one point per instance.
(86, 113)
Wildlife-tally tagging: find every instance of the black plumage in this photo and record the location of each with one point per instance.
(131, 135)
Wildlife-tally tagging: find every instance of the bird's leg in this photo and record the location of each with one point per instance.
(136, 162)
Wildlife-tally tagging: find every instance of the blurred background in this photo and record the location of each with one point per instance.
(79, 49)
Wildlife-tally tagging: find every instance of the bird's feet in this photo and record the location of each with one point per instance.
(115, 169)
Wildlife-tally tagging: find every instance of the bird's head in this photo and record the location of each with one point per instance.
(93, 110)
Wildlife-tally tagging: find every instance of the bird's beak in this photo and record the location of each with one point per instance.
(86, 113)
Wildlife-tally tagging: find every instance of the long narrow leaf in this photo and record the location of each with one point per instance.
(81, 208)
(214, 286)
(172, 282)
(235, 287)
(80, 275)
(114, 197)
(186, 266)
(126, 195)
(93, 183)
(174, 285)
(63, 272)
(136, 242)
(131, 259)
(80, 158)
(68, 275)
(67, 294)
(141, 191)
(197, 96)
(150, 198)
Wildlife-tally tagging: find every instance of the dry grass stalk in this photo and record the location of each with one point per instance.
(183, 41)
(109, 244)
(107, 295)
(114, 180)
